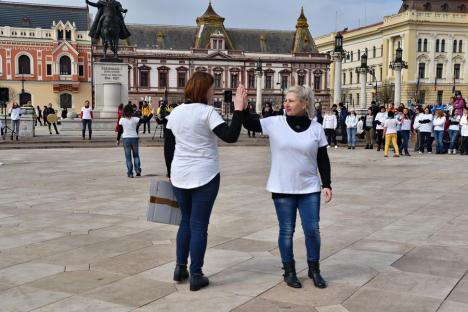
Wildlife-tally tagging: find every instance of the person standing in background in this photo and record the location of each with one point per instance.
(342, 120)
(118, 127)
(459, 103)
(330, 123)
(86, 120)
(146, 117)
(454, 129)
(38, 113)
(15, 116)
(351, 128)
(390, 132)
(464, 132)
(369, 128)
(439, 125)
(405, 131)
(130, 139)
(379, 128)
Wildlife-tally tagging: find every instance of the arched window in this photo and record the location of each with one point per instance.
(68, 35)
(460, 46)
(352, 56)
(65, 65)
(455, 45)
(437, 45)
(24, 65)
(419, 45)
(442, 48)
(60, 34)
(425, 45)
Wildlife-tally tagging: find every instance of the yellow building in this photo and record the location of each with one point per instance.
(434, 38)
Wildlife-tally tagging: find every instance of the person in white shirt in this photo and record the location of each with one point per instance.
(439, 129)
(351, 128)
(453, 130)
(464, 131)
(86, 120)
(423, 123)
(379, 128)
(390, 132)
(15, 116)
(192, 159)
(130, 141)
(369, 128)
(330, 123)
(405, 131)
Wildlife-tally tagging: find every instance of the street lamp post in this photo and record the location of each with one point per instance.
(397, 66)
(338, 54)
(362, 71)
(282, 93)
(259, 74)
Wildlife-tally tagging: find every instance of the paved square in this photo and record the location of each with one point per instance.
(74, 236)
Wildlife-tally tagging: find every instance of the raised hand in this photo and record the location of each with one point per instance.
(240, 100)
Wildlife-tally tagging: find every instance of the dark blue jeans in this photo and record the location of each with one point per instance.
(405, 135)
(426, 142)
(131, 147)
(453, 134)
(286, 211)
(196, 205)
(86, 123)
(439, 137)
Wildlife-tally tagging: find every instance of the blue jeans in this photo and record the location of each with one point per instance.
(453, 134)
(86, 123)
(131, 147)
(439, 137)
(351, 134)
(286, 211)
(405, 135)
(196, 205)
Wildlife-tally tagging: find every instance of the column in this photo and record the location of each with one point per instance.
(258, 106)
(363, 96)
(338, 69)
(397, 98)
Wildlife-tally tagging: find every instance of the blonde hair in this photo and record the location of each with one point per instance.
(306, 95)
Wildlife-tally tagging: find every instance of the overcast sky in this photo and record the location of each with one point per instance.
(263, 14)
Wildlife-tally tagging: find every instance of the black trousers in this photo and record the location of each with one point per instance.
(344, 134)
(426, 142)
(55, 127)
(464, 145)
(379, 140)
(331, 136)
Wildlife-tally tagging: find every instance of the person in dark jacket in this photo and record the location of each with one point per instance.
(342, 119)
(48, 111)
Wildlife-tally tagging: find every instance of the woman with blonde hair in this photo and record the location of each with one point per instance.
(298, 150)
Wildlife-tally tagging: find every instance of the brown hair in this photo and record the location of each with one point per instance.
(440, 113)
(197, 88)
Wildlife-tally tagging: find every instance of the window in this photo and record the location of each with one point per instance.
(269, 81)
(357, 99)
(68, 35)
(344, 78)
(284, 82)
(162, 79)
(456, 71)
(358, 78)
(358, 55)
(301, 80)
(381, 50)
(234, 80)
(374, 52)
(251, 80)
(24, 65)
(367, 52)
(439, 72)
(437, 45)
(144, 78)
(65, 66)
(455, 46)
(440, 96)
(425, 45)
(381, 74)
(317, 82)
(217, 80)
(65, 100)
(49, 70)
(351, 77)
(460, 46)
(442, 48)
(422, 70)
(81, 70)
(60, 34)
(352, 56)
(419, 45)
(181, 77)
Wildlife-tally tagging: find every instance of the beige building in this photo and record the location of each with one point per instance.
(433, 36)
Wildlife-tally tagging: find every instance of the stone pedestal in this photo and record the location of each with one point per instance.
(111, 88)
(27, 123)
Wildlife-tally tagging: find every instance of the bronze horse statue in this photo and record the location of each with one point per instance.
(109, 25)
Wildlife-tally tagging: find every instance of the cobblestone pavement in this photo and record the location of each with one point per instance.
(73, 236)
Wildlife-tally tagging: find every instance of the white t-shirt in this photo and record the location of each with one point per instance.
(381, 117)
(15, 113)
(129, 126)
(406, 125)
(439, 123)
(455, 118)
(293, 156)
(391, 125)
(86, 112)
(196, 159)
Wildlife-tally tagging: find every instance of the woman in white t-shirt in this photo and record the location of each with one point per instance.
(379, 128)
(298, 150)
(351, 129)
(439, 129)
(130, 140)
(191, 152)
(453, 130)
(390, 132)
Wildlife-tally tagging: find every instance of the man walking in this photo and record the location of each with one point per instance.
(343, 115)
(50, 111)
(86, 119)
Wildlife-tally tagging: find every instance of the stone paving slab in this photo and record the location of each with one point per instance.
(73, 236)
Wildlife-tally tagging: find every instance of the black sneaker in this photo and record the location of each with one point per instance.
(138, 174)
(198, 281)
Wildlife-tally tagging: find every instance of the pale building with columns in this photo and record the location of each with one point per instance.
(433, 36)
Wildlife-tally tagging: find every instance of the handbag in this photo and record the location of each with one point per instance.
(163, 206)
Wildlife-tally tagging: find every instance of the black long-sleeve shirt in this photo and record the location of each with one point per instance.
(229, 134)
(298, 124)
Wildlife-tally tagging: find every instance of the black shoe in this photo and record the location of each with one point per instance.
(367, 146)
(180, 273)
(12, 138)
(349, 147)
(378, 149)
(354, 147)
(198, 281)
(17, 139)
(314, 274)
(407, 154)
(371, 146)
(290, 276)
(138, 174)
(130, 176)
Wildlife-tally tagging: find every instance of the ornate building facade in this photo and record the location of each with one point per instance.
(162, 58)
(433, 36)
(45, 54)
